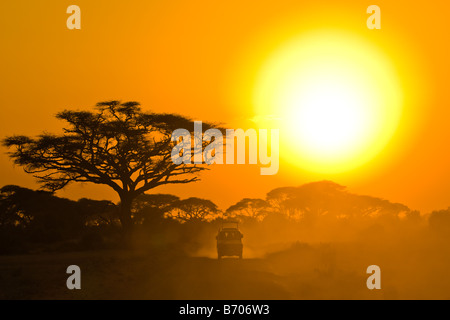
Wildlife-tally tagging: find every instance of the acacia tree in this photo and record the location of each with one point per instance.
(193, 209)
(255, 209)
(39, 213)
(152, 207)
(278, 200)
(117, 145)
(322, 199)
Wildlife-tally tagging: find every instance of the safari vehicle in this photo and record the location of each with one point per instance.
(229, 240)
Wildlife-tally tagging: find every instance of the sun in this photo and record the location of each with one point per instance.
(337, 99)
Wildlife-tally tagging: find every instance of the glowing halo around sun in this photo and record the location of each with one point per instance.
(337, 98)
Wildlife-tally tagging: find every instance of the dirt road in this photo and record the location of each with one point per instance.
(305, 273)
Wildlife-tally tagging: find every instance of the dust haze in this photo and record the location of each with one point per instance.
(313, 241)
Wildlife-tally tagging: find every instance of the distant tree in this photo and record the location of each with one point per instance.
(316, 199)
(439, 221)
(248, 208)
(117, 145)
(98, 212)
(306, 201)
(44, 216)
(16, 205)
(376, 208)
(148, 208)
(278, 199)
(321, 199)
(193, 209)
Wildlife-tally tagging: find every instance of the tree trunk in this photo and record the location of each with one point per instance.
(125, 218)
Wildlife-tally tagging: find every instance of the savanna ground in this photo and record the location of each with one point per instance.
(411, 269)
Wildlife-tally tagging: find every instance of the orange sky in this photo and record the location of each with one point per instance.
(201, 59)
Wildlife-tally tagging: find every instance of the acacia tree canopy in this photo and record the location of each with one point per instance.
(117, 145)
(249, 208)
(193, 209)
(150, 208)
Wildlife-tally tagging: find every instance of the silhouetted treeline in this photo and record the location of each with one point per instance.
(32, 221)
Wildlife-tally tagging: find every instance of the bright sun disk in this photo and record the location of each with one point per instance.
(338, 99)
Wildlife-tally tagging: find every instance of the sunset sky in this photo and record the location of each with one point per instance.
(231, 62)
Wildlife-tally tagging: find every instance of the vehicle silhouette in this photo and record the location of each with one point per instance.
(229, 240)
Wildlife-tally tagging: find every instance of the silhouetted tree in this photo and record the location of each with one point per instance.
(118, 145)
(278, 197)
(248, 208)
(439, 221)
(98, 212)
(193, 209)
(16, 205)
(44, 216)
(150, 208)
(328, 199)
